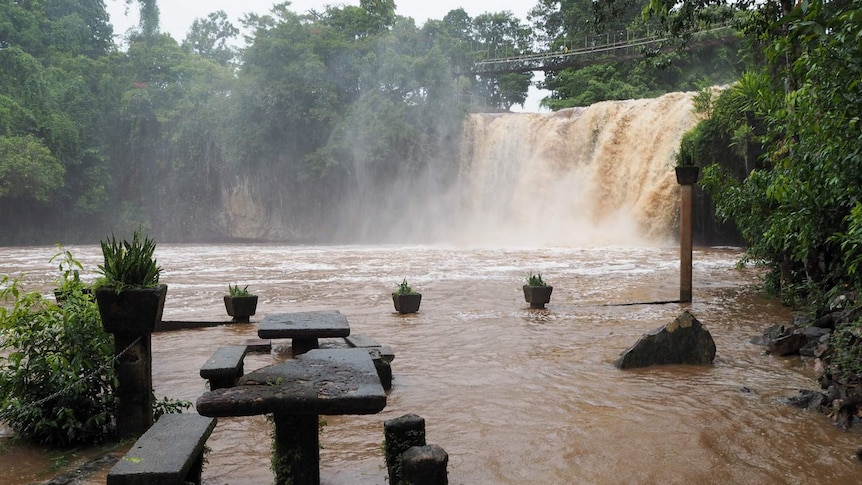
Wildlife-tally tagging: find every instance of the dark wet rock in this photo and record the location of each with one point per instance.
(806, 399)
(787, 345)
(826, 321)
(781, 340)
(683, 341)
(833, 392)
(816, 346)
(847, 412)
(770, 334)
(814, 333)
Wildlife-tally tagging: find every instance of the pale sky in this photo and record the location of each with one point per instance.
(176, 16)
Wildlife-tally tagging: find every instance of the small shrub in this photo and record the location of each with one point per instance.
(56, 379)
(235, 291)
(404, 289)
(535, 280)
(129, 264)
(70, 273)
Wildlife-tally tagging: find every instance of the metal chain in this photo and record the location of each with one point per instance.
(68, 388)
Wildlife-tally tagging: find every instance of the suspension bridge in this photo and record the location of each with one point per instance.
(594, 49)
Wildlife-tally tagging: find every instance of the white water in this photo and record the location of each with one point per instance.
(595, 176)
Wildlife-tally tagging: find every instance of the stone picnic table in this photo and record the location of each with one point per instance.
(304, 328)
(296, 392)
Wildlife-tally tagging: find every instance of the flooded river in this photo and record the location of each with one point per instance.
(515, 396)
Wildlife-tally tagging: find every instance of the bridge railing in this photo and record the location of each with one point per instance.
(627, 41)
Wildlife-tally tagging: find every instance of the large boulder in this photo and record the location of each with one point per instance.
(682, 341)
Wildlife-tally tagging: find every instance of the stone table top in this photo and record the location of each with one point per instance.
(319, 324)
(324, 381)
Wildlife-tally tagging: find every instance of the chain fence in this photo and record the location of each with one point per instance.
(5, 412)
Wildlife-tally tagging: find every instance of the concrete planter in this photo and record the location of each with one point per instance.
(407, 303)
(687, 175)
(240, 307)
(537, 296)
(133, 311)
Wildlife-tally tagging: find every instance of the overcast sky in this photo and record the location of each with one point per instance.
(176, 16)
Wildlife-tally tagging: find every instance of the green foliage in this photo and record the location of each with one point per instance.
(847, 352)
(69, 280)
(675, 64)
(535, 280)
(56, 379)
(28, 169)
(404, 289)
(129, 263)
(236, 291)
(167, 405)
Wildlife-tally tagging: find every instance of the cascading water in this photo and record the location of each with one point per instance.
(582, 176)
(595, 176)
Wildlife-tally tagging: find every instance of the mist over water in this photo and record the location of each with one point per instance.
(595, 176)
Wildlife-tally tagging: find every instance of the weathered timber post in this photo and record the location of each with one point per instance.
(400, 435)
(686, 176)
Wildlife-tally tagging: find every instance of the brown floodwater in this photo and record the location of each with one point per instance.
(515, 396)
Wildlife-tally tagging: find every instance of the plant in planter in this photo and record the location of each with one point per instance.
(686, 171)
(536, 291)
(69, 283)
(406, 300)
(239, 303)
(129, 295)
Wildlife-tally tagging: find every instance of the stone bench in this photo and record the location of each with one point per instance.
(169, 453)
(366, 342)
(225, 366)
(381, 355)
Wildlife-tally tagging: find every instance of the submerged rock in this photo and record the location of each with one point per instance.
(682, 341)
(806, 399)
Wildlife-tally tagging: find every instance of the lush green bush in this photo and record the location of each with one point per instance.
(56, 379)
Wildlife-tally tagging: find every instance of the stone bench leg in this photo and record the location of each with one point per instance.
(296, 455)
(300, 346)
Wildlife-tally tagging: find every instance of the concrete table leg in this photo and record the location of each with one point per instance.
(296, 457)
(302, 345)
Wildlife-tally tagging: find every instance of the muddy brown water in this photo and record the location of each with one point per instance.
(515, 396)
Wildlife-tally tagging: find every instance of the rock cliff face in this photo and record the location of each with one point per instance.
(244, 212)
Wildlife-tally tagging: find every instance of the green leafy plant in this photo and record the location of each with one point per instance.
(70, 274)
(167, 405)
(535, 280)
(129, 264)
(57, 384)
(404, 289)
(235, 291)
(846, 361)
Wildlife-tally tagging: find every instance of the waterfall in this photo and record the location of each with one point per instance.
(594, 176)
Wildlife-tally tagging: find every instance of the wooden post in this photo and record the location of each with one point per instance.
(686, 177)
